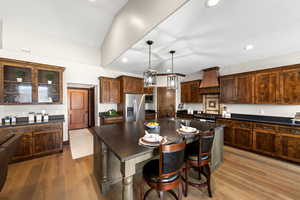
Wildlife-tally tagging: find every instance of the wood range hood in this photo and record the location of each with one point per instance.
(210, 83)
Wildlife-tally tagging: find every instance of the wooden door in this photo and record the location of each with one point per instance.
(166, 102)
(195, 92)
(244, 89)
(78, 108)
(266, 87)
(290, 86)
(228, 89)
(289, 147)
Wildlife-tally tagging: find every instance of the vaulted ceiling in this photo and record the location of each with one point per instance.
(83, 21)
(205, 37)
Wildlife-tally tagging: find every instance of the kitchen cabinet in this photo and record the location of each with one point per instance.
(111, 120)
(109, 90)
(289, 146)
(228, 89)
(266, 87)
(290, 86)
(265, 139)
(131, 85)
(30, 83)
(242, 134)
(237, 89)
(190, 92)
(150, 116)
(148, 90)
(37, 140)
(228, 130)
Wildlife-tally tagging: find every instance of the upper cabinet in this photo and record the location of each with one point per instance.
(109, 90)
(190, 92)
(290, 86)
(266, 87)
(131, 85)
(237, 89)
(271, 86)
(148, 90)
(30, 83)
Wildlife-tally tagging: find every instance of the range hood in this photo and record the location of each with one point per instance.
(210, 82)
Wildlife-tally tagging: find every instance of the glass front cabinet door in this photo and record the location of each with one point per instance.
(30, 83)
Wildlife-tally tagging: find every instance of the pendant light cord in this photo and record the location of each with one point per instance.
(149, 56)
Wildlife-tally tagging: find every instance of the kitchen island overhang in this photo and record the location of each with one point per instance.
(118, 155)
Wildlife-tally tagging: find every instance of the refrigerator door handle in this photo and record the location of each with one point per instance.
(135, 109)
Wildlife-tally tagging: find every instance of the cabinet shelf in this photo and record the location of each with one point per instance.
(15, 82)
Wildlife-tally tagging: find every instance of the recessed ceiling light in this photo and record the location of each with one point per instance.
(212, 3)
(249, 47)
(124, 60)
(168, 70)
(92, 1)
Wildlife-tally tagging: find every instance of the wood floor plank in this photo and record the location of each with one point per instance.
(243, 176)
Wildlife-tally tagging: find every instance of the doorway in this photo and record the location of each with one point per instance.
(166, 100)
(81, 108)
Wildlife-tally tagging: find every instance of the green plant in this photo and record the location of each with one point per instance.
(20, 74)
(50, 76)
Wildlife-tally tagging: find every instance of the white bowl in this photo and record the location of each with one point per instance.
(188, 129)
(152, 138)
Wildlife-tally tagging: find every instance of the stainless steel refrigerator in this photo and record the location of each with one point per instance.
(134, 107)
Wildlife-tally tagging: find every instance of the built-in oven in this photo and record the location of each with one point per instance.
(149, 98)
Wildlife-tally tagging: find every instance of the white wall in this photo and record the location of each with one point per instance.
(272, 110)
(82, 65)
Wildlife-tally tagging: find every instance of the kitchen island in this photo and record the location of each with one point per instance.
(118, 156)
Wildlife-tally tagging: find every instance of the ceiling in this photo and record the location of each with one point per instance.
(82, 21)
(205, 37)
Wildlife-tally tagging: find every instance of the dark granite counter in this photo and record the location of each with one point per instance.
(126, 145)
(285, 121)
(23, 121)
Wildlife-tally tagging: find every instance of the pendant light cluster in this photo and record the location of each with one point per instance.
(150, 74)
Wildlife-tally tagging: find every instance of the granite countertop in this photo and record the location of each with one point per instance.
(286, 121)
(23, 121)
(126, 146)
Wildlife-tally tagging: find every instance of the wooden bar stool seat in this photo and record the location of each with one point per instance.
(164, 174)
(198, 157)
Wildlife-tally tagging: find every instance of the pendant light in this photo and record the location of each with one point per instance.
(172, 80)
(149, 74)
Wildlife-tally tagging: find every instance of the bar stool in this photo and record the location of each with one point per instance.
(199, 157)
(164, 174)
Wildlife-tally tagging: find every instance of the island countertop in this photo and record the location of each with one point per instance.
(122, 139)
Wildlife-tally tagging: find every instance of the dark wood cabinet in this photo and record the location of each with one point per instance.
(228, 89)
(37, 140)
(265, 139)
(148, 90)
(290, 86)
(190, 92)
(109, 90)
(111, 120)
(268, 139)
(228, 130)
(266, 87)
(131, 84)
(237, 89)
(245, 89)
(30, 83)
(150, 116)
(243, 135)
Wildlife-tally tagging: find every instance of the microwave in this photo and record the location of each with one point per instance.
(149, 98)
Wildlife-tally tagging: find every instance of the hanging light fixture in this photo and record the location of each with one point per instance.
(172, 80)
(150, 74)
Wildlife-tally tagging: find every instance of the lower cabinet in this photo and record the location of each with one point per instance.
(268, 139)
(289, 143)
(37, 140)
(150, 116)
(243, 135)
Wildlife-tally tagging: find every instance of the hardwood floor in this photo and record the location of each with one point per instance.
(243, 176)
